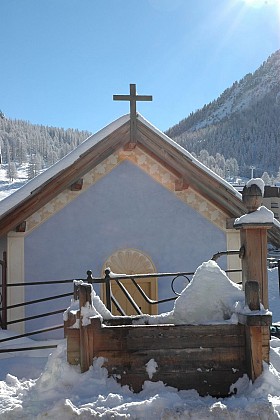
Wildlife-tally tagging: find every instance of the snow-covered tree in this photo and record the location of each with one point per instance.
(266, 178)
(11, 171)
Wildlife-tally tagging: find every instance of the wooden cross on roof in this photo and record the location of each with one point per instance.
(132, 98)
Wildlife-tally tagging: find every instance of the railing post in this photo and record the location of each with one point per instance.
(72, 317)
(4, 291)
(89, 276)
(278, 265)
(85, 300)
(108, 289)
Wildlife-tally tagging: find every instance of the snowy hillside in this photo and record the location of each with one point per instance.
(251, 89)
(243, 123)
(35, 146)
(7, 187)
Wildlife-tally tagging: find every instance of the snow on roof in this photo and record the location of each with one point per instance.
(27, 189)
(190, 156)
(22, 193)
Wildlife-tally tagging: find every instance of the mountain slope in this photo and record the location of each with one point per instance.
(243, 123)
(38, 145)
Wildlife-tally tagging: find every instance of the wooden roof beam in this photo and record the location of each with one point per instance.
(195, 176)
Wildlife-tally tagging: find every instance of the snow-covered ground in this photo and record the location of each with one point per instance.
(8, 187)
(34, 386)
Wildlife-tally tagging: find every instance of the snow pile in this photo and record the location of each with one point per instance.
(210, 297)
(99, 306)
(62, 392)
(151, 368)
(97, 309)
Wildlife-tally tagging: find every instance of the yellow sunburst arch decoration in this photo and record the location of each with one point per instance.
(132, 261)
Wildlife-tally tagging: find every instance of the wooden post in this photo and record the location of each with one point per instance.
(256, 331)
(254, 351)
(254, 240)
(72, 317)
(76, 290)
(85, 300)
(253, 333)
(253, 237)
(252, 295)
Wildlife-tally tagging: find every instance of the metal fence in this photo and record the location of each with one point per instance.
(111, 301)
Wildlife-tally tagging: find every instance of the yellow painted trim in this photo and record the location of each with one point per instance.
(15, 274)
(132, 261)
(149, 165)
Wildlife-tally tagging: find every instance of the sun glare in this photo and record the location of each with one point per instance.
(261, 3)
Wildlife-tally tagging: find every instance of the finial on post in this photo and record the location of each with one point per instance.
(252, 197)
(252, 194)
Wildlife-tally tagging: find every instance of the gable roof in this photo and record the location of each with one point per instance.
(40, 190)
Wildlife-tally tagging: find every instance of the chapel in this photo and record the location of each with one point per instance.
(128, 198)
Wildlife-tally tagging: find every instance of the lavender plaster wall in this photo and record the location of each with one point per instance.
(125, 209)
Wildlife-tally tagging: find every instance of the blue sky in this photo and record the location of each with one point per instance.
(62, 60)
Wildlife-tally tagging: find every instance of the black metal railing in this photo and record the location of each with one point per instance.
(110, 299)
(110, 277)
(4, 310)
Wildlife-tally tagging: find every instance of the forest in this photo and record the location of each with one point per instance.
(37, 146)
(243, 123)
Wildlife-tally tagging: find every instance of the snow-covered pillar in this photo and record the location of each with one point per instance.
(253, 237)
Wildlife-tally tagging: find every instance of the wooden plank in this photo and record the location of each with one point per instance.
(73, 346)
(254, 352)
(85, 339)
(265, 343)
(226, 329)
(71, 319)
(211, 383)
(177, 360)
(255, 320)
(166, 337)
